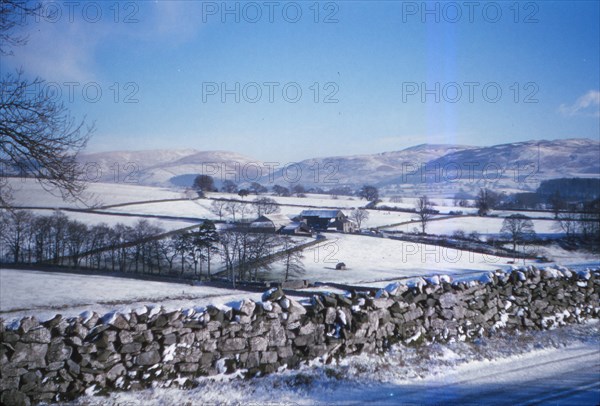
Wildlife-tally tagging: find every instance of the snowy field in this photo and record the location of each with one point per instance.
(183, 208)
(372, 259)
(93, 218)
(557, 367)
(28, 192)
(200, 208)
(443, 205)
(27, 292)
(315, 200)
(486, 226)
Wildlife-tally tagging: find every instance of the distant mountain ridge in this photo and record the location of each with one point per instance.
(157, 167)
(424, 167)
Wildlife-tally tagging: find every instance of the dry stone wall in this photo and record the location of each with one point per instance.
(60, 359)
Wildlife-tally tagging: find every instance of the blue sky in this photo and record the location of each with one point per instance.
(168, 71)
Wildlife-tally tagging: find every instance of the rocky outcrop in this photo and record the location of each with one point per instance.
(61, 358)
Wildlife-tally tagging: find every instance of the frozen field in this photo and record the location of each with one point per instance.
(183, 208)
(372, 259)
(342, 202)
(486, 226)
(27, 192)
(27, 292)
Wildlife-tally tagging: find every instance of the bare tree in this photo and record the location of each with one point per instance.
(246, 254)
(424, 210)
(76, 240)
(229, 250)
(359, 215)
(167, 248)
(299, 190)
(280, 190)
(38, 136)
(99, 238)
(567, 223)
(589, 224)
(292, 258)
(517, 228)
(17, 226)
(217, 207)
(244, 208)
(13, 16)
(369, 192)
(265, 205)
(486, 200)
(258, 248)
(229, 186)
(232, 208)
(204, 183)
(557, 204)
(58, 230)
(257, 188)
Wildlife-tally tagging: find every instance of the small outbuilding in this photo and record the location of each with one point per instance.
(270, 223)
(296, 228)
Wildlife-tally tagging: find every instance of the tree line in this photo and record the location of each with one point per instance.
(142, 248)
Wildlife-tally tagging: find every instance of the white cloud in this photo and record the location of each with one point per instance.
(586, 105)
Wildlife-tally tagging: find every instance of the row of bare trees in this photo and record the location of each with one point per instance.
(142, 248)
(583, 225)
(28, 238)
(248, 255)
(238, 210)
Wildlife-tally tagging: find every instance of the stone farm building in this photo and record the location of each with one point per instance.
(323, 220)
(270, 223)
(296, 228)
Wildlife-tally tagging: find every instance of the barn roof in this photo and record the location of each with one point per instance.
(320, 213)
(276, 219)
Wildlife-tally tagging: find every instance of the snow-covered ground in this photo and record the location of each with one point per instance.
(28, 192)
(27, 292)
(557, 367)
(373, 259)
(342, 202)
(183, 208)
(576, 260)
(443, 205)
(486, 226)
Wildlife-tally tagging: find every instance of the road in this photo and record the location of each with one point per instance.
(563, 376)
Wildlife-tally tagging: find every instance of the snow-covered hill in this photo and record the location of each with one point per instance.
(441, 169)
(356, 170)
(510, 167)
(160, 167)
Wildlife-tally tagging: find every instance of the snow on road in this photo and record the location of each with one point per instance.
(557, 367)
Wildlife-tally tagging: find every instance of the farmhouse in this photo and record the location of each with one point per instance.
(322, 220)
(270, 223)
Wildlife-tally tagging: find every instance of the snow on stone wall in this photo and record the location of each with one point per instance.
(60, 359)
